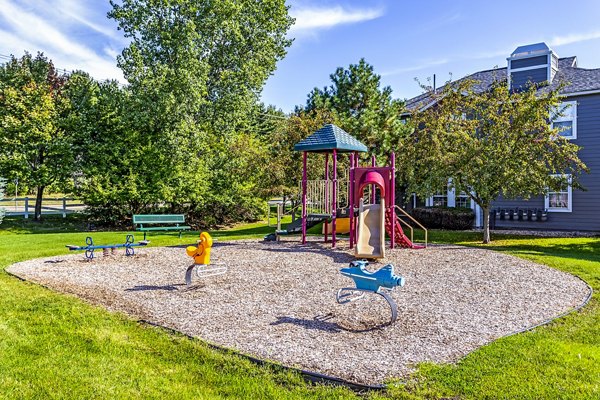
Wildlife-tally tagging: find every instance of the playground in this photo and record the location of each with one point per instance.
(277, 301)
(311, 302)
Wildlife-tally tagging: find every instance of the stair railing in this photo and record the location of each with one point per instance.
(281, 212)
(408, 225)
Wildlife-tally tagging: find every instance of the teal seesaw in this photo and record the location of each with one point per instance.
(89, 247)
(380, 282)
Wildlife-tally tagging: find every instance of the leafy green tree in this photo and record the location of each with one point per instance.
(202, 60)
(35, 147)
(363, 107)
(489, 143)
(120, 169)
(284, 170)
(195, 71)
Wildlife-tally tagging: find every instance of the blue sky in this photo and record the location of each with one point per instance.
(403, 40)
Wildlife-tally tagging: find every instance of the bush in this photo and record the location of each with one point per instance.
(220, 211)
(444, 217)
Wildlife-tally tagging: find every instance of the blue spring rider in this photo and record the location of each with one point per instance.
(90, 247)
(380, 282)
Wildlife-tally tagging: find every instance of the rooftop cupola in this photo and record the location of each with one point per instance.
(533, 63)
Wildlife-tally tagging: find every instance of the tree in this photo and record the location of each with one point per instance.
(284, 170)
(195, 71)
(489, 143)
(206, 61)
(35, 147)
(363, 108)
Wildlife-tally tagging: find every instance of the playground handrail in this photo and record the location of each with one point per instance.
(281, 212)
(409, 226)
(413, 220)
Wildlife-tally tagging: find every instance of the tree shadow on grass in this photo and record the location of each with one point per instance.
(589, 251)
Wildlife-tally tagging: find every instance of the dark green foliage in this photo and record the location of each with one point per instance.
(36, 148)
(362, 107)
(487, 143)
(181, 136)
(444, 217)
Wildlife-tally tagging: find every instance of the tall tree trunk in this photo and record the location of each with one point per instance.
(38, 203)
(486, 224)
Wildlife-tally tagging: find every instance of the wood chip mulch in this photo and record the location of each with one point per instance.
(277, 301)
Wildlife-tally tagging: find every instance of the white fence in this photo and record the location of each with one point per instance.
(25, 206)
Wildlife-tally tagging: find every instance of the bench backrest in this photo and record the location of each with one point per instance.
(159, 219)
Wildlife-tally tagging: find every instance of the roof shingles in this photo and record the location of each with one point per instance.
(328, 138)
(575, 80)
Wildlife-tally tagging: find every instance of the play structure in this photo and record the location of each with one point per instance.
(366, 197)
(380, 282)
(107, 248)
(201, 255)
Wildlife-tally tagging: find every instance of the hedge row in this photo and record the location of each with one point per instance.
(444, 217)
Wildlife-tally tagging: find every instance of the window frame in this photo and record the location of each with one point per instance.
(439, 195)
(571, 108)
(465, 196)
(569, 193)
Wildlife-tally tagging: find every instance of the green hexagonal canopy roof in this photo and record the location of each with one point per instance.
(328, 138)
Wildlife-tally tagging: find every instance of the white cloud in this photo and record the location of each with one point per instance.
(317, 18)
(30, 29)
(573, 38)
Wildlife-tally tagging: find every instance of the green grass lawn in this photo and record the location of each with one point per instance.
(57, 346)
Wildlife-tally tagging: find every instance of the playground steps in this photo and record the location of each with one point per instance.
(400, 238)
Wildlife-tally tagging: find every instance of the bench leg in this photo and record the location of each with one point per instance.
(179, 234)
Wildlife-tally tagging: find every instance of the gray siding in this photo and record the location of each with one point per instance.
(529, 62)
(521, 78)
(585, 213)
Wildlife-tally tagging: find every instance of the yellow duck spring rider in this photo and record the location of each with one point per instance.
(201, 255)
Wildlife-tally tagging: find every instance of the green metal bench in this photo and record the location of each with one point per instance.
(141, 220)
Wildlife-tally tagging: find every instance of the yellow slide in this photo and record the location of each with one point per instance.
(370, 240)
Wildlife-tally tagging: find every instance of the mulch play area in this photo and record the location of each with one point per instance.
(278, 301)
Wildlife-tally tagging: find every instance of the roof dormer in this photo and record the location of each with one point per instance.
(533, 63)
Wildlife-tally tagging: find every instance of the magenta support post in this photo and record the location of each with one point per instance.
(393, 200)
(304, 156)
(373, 190)
(334, 200)
(326, 190)
(351, 199)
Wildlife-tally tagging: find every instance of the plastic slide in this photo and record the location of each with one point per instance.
(370, 239)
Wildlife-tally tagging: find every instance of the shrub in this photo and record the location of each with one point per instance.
(444, 217)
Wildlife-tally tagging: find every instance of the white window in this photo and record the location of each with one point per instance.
(463, 200)
(565, 119)
(562, 200)
(439, 199)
